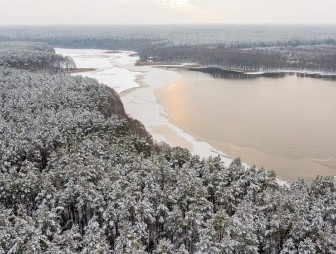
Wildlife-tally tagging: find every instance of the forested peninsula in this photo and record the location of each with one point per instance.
(78, 175)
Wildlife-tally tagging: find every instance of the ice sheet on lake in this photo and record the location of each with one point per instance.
(109, 67)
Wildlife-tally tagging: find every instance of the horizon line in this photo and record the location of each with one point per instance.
(171, 24)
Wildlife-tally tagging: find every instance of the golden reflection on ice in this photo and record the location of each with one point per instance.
(287, 124)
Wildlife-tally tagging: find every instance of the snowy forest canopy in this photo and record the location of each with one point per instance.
(79, 176)
(33, 56)
(301, 48)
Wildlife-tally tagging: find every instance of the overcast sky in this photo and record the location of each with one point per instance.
(167, 11)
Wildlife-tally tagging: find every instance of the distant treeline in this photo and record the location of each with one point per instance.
(318, 58)
(126, 37)
(302, 48)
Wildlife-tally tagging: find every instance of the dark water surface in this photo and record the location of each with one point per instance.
(284, 124)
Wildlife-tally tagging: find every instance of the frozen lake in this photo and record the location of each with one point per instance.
(110, 68)
(283, 124)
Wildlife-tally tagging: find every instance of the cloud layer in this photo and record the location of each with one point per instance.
(167, 11)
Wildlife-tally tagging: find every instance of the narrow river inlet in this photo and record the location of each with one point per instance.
(283, 124)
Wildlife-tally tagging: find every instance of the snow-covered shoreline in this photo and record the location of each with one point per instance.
(138, 94)
(137, 86)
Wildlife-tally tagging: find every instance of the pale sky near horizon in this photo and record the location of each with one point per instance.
(46, 12)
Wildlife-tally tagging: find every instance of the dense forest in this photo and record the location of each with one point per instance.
(245, 48)
(77, 175)
(33, 56)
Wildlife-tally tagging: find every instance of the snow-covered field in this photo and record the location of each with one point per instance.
(118, 70)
